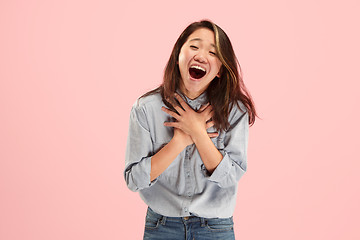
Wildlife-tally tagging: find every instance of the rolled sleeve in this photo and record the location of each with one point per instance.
(138, 151)
(234, 163)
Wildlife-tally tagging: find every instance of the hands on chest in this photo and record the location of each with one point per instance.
(190, 124)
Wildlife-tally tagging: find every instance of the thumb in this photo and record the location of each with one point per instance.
(203, 107)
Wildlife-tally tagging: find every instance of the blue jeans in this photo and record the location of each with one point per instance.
(158, 227)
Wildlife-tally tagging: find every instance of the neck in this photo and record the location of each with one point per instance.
(189, 94)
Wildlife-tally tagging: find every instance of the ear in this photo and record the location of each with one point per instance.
(220, 71)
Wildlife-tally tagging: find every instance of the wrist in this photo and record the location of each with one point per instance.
(199, 135)
(177, 143)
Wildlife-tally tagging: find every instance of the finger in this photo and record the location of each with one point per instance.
(179, 109)
(209, 116)
(182, 102)
(214, 134)
(208, 109)
(203, 107)
(209, 124)
(208, 113)
(171, 124)
(175, 106)
(171, 113)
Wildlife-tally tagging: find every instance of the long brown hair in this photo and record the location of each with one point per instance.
(224, 92)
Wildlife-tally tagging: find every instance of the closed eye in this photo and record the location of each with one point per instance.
(193, 47)
(212, 53)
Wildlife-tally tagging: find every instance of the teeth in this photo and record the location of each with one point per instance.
(198, 67)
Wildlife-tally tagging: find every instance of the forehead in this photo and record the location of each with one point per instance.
(202, 35)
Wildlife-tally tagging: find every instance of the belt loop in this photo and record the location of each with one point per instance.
(202, 220)
(163, 220)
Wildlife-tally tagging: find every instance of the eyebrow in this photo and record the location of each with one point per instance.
(199, 39)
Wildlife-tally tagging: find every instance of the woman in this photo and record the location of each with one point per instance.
(188, 139)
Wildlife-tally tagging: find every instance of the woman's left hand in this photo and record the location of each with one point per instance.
(188, 120)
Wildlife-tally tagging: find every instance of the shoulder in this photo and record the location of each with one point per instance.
(144, 107)
(150, 101)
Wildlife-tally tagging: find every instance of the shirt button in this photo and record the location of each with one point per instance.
(189, 194)
(185, 209)
(188, 174)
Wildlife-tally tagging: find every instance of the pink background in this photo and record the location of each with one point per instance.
(71, 70)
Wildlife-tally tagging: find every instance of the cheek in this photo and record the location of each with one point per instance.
(217, 65)
(187, 53)
(182, 59)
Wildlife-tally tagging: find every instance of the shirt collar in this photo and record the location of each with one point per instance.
(194, 103)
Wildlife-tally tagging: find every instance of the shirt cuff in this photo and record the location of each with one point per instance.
(141, 174)
(222, 170)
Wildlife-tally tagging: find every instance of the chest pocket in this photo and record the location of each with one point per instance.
(161, 136)
(219, 140)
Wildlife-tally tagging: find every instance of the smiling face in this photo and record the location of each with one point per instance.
(198, 62)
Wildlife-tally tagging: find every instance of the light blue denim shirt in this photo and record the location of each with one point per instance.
(185, 188)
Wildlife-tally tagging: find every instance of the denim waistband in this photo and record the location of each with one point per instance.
(203, 221)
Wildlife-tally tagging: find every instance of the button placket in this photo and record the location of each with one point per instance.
(188, 186)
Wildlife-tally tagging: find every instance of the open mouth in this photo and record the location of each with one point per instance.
(197, 72)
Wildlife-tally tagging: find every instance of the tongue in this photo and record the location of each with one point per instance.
(196, 73)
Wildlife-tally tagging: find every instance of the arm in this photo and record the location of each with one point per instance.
(195, 124)
(227, 164)
(209, 154)
(138, 151)
(162, 159)
(234, 150)
(142, 167)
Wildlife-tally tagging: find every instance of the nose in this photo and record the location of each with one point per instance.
(200, 57)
